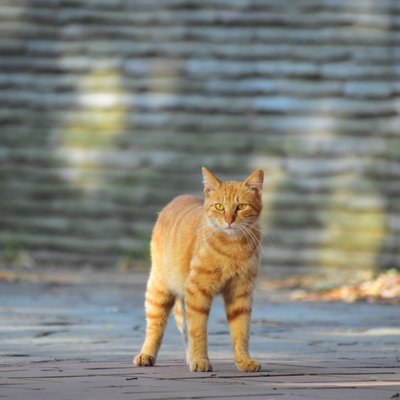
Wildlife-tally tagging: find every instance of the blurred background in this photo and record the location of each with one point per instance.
(109, 108)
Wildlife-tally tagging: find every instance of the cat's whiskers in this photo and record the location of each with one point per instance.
(249, 234)
(262, 249)
(269, 237)
(249, 239)
(252, 227)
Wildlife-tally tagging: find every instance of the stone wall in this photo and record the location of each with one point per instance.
(108, 108)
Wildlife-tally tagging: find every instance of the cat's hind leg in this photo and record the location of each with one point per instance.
(197, 304)
(158, 304)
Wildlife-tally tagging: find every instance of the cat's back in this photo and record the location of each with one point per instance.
(174, 238)
(177, 223)
(184, 208)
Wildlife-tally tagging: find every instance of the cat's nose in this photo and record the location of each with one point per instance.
(229, 219)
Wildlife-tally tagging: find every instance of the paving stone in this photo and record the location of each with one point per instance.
(76, 339)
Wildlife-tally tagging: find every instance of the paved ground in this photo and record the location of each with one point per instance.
(73, 337)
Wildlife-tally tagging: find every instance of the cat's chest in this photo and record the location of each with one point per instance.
(232, 268)
(225, 262)
(229, 255)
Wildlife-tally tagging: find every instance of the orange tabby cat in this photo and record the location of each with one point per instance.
(201, 248)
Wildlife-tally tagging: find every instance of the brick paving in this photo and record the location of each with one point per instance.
(74, 338)
(330, 379)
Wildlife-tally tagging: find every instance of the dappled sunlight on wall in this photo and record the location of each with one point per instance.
(355, 225)
(321, 207)
(110, 108)
(89, 135)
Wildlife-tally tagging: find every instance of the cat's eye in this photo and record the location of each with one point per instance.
(219, 206)
(241, 206)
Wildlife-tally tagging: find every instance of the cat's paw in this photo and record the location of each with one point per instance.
(144, 360)
(248, 365)
(200, 365)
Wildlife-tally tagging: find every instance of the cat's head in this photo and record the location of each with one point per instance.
(233, 207)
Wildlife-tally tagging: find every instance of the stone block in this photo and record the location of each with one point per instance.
(109, 109)
(368, 89)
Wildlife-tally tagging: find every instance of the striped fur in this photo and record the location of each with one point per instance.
(201, 248)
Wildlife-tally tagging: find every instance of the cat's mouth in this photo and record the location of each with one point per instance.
(232, 230)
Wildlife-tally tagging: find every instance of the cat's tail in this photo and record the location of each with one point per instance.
(180, 318)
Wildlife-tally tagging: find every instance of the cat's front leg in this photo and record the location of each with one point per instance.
(238, 303)
(197, 306)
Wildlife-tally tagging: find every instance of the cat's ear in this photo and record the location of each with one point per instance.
(211, 182)
(255, 181)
